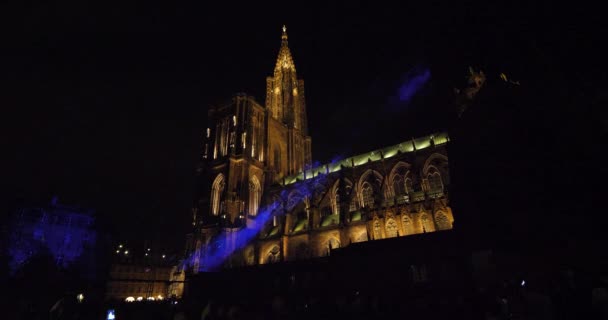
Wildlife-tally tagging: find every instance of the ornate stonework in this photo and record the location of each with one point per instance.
(255, 175)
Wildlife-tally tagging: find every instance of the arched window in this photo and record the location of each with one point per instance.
(407, 224)
(216, 193)
(427, 223)
(391, 228)
(377, 231)
(409, 186)
(337, 203)
(254, 195)
(435, 183)
(442, 221)
(273, 255)
(368, 195)
(353, 205)
(398, 186)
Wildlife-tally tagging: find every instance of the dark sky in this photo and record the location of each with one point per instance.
(105, 105)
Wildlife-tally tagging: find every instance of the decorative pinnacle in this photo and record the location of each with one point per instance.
(284, 36)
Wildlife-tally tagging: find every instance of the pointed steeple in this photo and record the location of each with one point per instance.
(284, 36)
(284, 60)
(286, 104)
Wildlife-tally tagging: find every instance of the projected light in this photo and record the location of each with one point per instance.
(140, 298)
(80, 297)
(130, 299)
(222, 247)
(110, 315)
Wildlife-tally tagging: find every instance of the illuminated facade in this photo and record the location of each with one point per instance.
(260, 201)
(144, 279)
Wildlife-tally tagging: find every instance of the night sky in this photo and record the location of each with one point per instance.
(106, 105)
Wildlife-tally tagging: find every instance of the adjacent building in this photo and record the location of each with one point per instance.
(66, 233)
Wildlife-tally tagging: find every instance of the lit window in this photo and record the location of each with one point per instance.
(368, 195)
(254, 195)
(391, 228)
(216, 191)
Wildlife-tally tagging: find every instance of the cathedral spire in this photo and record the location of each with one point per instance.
(284, 36)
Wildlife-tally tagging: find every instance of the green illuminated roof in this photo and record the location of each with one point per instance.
(330, 220)
(273, 232)
(388, 152)
(301, 225)
(356, 216)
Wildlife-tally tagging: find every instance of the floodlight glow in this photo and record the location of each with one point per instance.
(80, 297)
(130, 299)
(140, 298)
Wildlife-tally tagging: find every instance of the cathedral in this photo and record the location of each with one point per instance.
(259, 200)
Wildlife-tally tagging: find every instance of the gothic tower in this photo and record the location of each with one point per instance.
(246, 147)
(288, 140)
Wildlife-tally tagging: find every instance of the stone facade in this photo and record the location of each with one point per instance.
(255, 178)
(135, 280)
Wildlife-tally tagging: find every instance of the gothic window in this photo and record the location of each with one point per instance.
(435, 182)
(273, 255)
(254, 196)
(409, 187)
(216, 192)
(337, 204)
(391, 228)
(398, 185)
(353, 205)
(427, 223)
(368, 195)
(232, 139)
(377, 231)
(407, 224)
(442, 221)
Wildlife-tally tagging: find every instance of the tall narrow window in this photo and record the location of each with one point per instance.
(216, 192)
(337, 202)
(409, 187)
(254, 196)
(398, 186)
(391, 228)
(368, 195)
(232, 139)
(435, 183)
